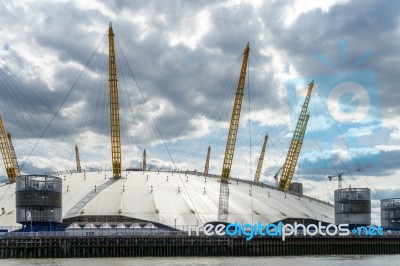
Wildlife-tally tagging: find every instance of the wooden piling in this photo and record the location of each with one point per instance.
(169, 246)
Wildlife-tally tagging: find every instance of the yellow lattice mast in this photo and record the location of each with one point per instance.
(78, 161)
(261, 160)
(231, 141)
(13, 154)
(114, 108)
(6, 152)
(207, 166)
(144, 160)
(296, 143)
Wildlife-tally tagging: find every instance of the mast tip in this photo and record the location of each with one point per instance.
(110, 24)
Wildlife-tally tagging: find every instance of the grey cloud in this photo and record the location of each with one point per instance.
(182, 76)
(388, 193)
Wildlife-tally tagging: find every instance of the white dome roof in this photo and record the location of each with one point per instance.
(160, 201)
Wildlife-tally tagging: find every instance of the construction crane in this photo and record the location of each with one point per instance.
(207, 166)
(295, 145)
(5, 149)
(261, 160)
(114, 107)
(340, 174)
(13, 154)
(231, 141)
(144, 160)
(78, 161)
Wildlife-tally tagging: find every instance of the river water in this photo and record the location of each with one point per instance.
(386, 260)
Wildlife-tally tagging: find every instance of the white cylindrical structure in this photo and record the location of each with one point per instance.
(38, 199)
(353, 206)
(390, 213)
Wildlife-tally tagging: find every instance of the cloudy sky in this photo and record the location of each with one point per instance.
(185, 57)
